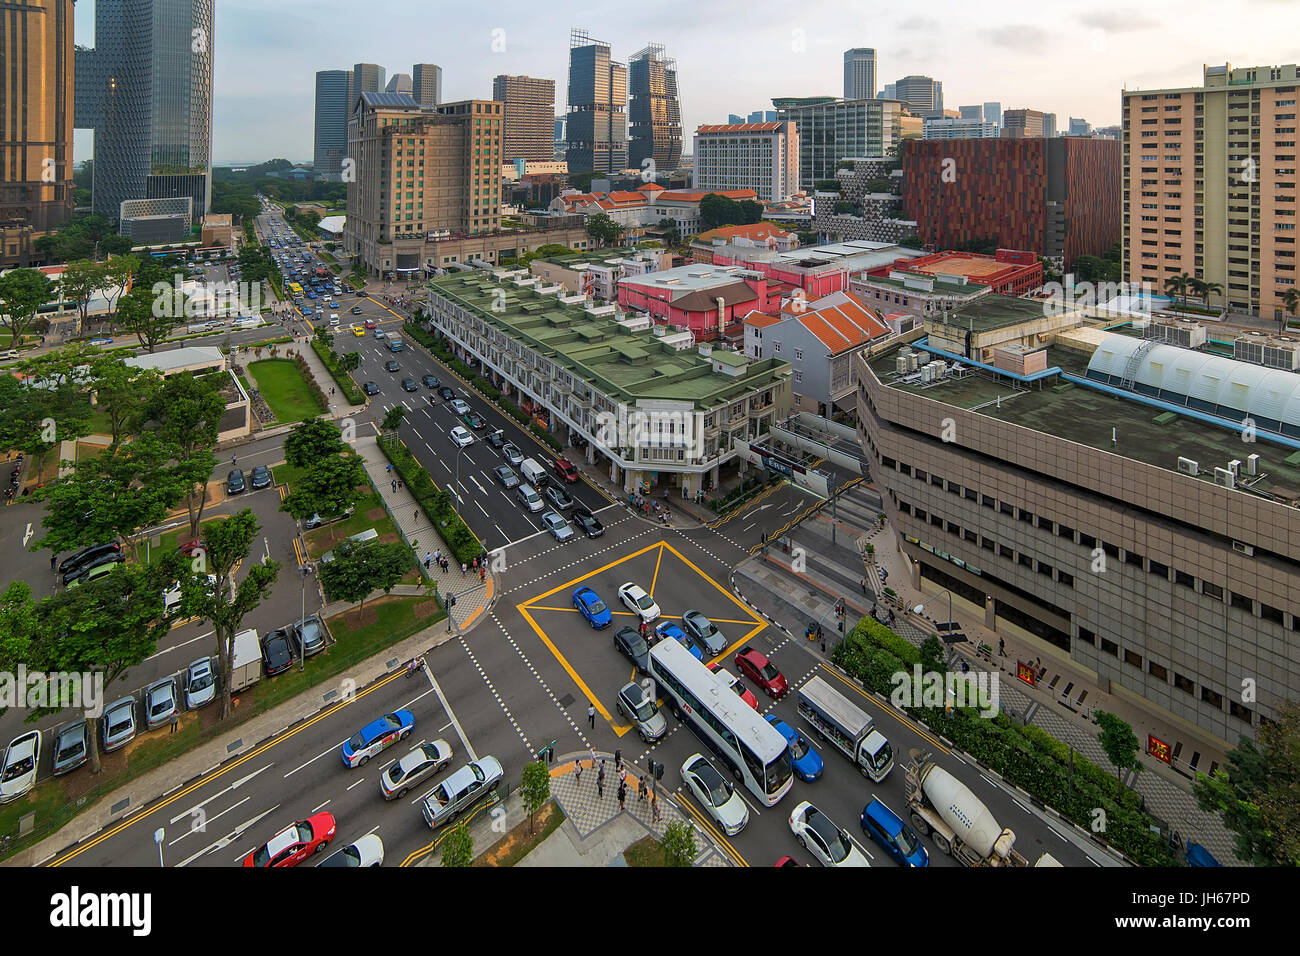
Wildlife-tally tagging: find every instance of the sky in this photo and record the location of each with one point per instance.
(733, 56)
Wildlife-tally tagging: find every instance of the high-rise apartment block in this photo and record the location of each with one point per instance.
(860, 73)
(36, 107)
(528, 117)
(331, 123)
(426, 84)
(419, 170)
(1022, 124)
(1209, 185)
(763, 157)
(831, 129)
(146, 91)
(596, 125)
(654, 110)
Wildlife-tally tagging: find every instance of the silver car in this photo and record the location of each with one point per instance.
(557, 526)
(160, 702)
(462, 790)
(119, 724)
(310, 634)
(715, 794)
(420, 764)
(200, 684)
(71, 746)
(640, 709)
(704, 632)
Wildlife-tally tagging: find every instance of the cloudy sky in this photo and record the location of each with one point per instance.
(1060, 56)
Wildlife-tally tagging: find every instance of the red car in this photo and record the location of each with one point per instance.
(295, 843)
(371, 323)
(565, 469)
(762, 672)
(743, 692)
(189, 547)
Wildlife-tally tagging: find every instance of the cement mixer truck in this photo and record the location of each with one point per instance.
(944, 809)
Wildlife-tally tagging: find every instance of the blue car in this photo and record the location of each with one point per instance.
(591, 607)
(375, 736)
(669, 629)
(807, 763)
(894, 836)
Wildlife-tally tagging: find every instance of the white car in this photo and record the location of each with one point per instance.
(172, 596)
(638, 602)
(715, 794)
(823, 839)
(421, 763)
(458, 406)
(368, 851)
(463, 437)
(19, 769)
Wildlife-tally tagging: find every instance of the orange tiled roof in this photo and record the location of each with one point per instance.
(761, 320)
(685, 196)
(649, 188)
(623, 196)
(755, 231)
(843, 324)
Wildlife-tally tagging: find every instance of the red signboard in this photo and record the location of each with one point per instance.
(1158, 748)
(1025, 671)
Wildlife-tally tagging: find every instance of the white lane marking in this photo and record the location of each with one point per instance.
(207, 821)
(314, 759)
(358, 783)
(480, 508)
(450, 713)
(318, 809)
(230, 838)
(234, 786)
(176, 647)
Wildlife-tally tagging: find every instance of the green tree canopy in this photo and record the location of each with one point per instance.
(312, 440)
(535, 788)
(22, 293)
(358, 569)
(458, 846)
(328, 487)
(186, 414)
(678, 844)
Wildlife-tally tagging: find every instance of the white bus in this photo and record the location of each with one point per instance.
(755, 751)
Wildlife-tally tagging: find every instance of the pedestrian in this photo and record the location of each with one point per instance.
(591, 722)
(873, 608)
(464, 569)
(622, 793)
(400, 485)
(1002, 647)
(437, 555)
(52, 557)
(390, 468)
(654, 808)
(820, 635)
(232, 459)
(641, 790)
(176, 719)
(482, 574)
(665, 494)
(417, 515)
(965, 667)
(428, 560)
(600, 780)
(577, 771)
(618, 760)
(824, 640)
(393, 485)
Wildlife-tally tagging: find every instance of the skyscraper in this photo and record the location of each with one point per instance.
(1023, 124)
(399, 83)
(860, 73)
(832, 129)
(890, 92)
(735, 118)
(654, 111)
(366, 78)
(36, 96)
(971, 112)
(1080, 127)
(1049, 125)
(993, 112)
(426, 84)
(528, 117)
(597, 119)
(922, 94)
(331, 123)
(146, 91)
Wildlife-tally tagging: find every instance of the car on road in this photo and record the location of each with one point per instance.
(590, 606)
(558, 497)
(462, 790)
(86, 555)
(463, 438)
(234, 482)
(639, 707)
(566, 470)
(475, 421)
(356, 310)
(557, 526)
(715, 794)
(261, 478)
(367, 851)
(638, 602)
(511, 453)
(818, 835)
(893, 836)
(375, 736)
(380, 333)
(430, 381)
(369, 323)
(200, 684)
(102, 558)
(762, 672)
(358, 331)
(459, 406)
(277, 652)
(703, 631)
(408, 385)
(361, 293)
(420, 764)
(18, 771)
(806, 761)
(529, 497)
(159, 702)
(588, 522)
(506, 475)
(629, 643)
(370, 388)
(118, 724)
(71, 746)
(392, 366)
(732, 681)
(446, 394)
(295, 843)
(309, 635)
(495, 440)
(667, 629)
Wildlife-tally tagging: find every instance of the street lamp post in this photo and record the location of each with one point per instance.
(920, 608)
(304, 570)
(158, 838)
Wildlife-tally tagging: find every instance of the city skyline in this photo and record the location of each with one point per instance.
(264, 93)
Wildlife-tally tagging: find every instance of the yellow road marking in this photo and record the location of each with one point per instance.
(707, 824)
(655, 580)
(591, 574)
(428, 848)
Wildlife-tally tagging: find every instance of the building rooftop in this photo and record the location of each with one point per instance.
(624, 364)
(693, 278)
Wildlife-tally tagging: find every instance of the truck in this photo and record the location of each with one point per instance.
(944, 809)
(846, 727)
(246, 665)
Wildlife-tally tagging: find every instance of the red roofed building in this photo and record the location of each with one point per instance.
(706, 300)
(1009, 272)
(760, 234)
(645, 207)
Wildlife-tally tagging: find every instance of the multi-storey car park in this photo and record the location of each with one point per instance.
(1095, 493)
(585, 368)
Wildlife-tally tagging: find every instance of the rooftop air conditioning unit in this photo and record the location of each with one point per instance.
(1222, 476)
(1234, 466)
(1188, 467)
(1252, 464)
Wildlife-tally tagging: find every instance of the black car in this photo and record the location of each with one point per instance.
(446, 394)
(408, 385)
(588, 522)
(392, 366)
(104, 557)
(506, 475)
(234, 482)
(277, 652)
(431, 381)
(475, 421)
(86, 555)
(370, 388)
(495, 439)
(361, 295)
(261, 477)
(558, 497)
(629, 643)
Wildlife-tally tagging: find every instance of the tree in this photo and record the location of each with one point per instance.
(351, 361)
(1291, 299)
(186, 414)
(678, 844)
(80, 280)
(1119, 743)
(359, 569)
(22, 293)
(393, 418)
(149, 317)
(458, 846)
(716, 211)
(931, 652)
(535, 788)
(911, 242)
(603, 229)
(1179, 285)
(880, 186)
(750, 212)
(121, 390)
(1207, 289)
(310, 441)
(328, 487)
(1255, 792)
(226, 543)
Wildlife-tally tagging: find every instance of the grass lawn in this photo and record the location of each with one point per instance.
(285, 390)
(645, 852)
(519, 842)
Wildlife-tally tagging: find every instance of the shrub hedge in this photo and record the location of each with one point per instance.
(346, 385)
(435, 502)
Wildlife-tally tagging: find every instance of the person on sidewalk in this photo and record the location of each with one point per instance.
(864, 587)
(641, 790)
(464, 569)
(416, 516)
(176, 719)
(622, 793)
(577, 771)
(654, 808)
(1002, 647)
(482, 574)
(428, 560)
(600, 779)
(393, 484)
(618, 761)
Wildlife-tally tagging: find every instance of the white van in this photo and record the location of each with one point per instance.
(247, 322)
(533, 473)
(334, 318)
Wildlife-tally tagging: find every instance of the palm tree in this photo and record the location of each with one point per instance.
(1196, 287)
(1178, 285)
(1208, 289)
(1291, 299)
